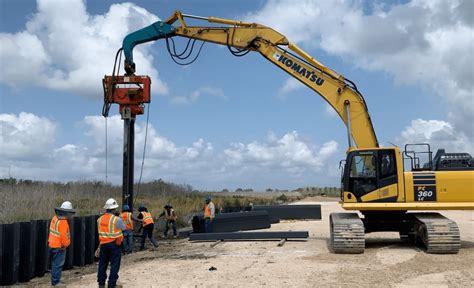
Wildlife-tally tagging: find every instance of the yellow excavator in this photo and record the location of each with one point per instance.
(373, 180)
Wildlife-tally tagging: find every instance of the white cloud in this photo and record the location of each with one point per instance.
(422, 42)
(25, 136)
(288, 161)
(198, 93)
(439, 134)
(271, 137)
(330, 111)
(29, 145)
(67, 49)
(73, 163)
(290, 85)
(94, 127)
(328, 150)
(288, 152)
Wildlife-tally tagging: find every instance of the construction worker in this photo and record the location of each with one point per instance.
(128, 218)
(110, 227)
(170, 216)
(59, 239)
(209, 213)
(147, 226)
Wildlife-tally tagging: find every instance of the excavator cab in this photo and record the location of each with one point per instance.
(366, 172)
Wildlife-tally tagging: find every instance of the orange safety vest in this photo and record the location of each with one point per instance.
(107, 228)
(58, 233)
(127, 219)
(171, 215)
(147, 219)
(207, 211)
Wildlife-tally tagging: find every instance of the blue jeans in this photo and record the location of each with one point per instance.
(148, 233)
(127, 241)
(207, 225)
(112, 253)
(173, 224)
(57, 257)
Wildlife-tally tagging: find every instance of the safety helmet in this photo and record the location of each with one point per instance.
(141, 207)
(168, 206)
(208, 198)
(66, 207)
(125, 207)
(111, 204)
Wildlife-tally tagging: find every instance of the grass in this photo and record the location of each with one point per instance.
(24, 200)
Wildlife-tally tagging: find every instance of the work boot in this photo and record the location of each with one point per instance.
(154, 242)
(101, 286)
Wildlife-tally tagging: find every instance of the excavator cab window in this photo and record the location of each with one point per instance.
(387, 164)
(387, 168)
(363, 166)
(362, 173)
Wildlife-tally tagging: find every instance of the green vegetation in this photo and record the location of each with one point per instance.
(23, 200)
(319, 191)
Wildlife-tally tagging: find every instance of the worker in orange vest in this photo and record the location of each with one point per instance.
(147, 226)
(170, 216)
(59, 239)
(110, 226)
(209, 214)
(128, 218)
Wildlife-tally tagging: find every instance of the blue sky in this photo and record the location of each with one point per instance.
(228, 122)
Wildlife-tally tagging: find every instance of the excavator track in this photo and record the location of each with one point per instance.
(439, 234)
(347, 233)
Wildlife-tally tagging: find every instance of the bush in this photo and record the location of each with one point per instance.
(282, 198)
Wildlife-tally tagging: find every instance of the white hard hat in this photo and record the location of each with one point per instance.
(66, 207)
(111, 204)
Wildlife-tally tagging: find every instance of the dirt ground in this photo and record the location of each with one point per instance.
(386, 262)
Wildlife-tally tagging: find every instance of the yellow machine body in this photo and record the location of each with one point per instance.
(413, 190)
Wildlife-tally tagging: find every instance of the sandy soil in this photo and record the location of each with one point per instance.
(386, 262)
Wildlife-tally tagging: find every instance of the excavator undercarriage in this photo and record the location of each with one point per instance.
(438, 234)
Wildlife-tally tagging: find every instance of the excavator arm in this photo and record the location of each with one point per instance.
(338, 91)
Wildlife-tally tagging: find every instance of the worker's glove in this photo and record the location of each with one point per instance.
(97, 252)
